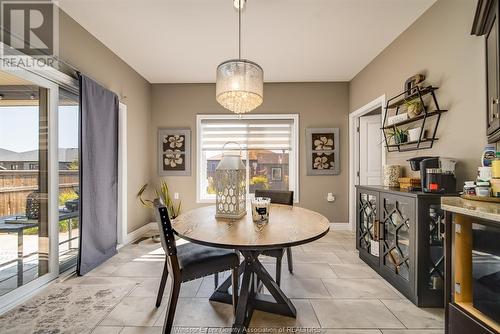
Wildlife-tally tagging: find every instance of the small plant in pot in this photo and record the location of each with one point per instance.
(164, 194)
(400, 136)
(414, 107)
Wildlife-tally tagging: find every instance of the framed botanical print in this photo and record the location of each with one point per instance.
(174, 152)
(322, 150)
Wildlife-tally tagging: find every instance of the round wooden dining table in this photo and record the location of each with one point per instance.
(288, 226)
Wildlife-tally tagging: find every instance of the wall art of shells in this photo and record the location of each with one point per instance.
(174, 152)
(322, 149)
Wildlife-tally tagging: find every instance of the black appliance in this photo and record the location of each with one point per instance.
(429, 163)
(447, 179)
(415, 166)
(449, 183)
(486, 270)
(415, 163)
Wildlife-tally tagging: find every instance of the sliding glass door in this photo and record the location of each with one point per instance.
(29, 205)
(68, 113)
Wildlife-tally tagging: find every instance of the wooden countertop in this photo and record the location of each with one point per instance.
(481, 210)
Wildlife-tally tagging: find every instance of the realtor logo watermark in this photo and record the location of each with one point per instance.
(29, 34)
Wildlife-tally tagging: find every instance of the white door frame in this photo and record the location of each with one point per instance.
(122, 225)
(354, 151)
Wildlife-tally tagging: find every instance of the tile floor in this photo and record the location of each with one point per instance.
(334, 292)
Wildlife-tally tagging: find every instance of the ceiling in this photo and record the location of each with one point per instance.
(183, 41)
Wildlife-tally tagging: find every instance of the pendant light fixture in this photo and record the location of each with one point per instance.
(240, 82)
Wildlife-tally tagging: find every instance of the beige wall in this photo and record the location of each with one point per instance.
(91, 57)
(438, 44)
(318, 104)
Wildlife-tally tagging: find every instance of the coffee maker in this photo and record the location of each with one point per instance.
(441, 170)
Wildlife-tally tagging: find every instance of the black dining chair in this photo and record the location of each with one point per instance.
(189, 262)
(286, 198)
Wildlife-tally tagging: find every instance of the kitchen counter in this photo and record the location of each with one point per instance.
(481, 210)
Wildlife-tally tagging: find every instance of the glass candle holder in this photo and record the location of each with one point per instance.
(260, 209)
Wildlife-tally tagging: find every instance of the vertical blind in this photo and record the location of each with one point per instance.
(251, 134)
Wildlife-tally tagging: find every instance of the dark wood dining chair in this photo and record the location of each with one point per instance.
(188, 263)
(286, 198)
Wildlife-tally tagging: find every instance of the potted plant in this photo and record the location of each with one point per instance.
(414, 107)
(400, 136)
(164, 193)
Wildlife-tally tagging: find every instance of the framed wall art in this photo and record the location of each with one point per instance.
(174, 152)
(322, 151)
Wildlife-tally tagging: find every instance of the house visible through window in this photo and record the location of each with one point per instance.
(268, 144)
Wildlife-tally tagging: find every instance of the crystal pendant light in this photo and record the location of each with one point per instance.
(240, 82)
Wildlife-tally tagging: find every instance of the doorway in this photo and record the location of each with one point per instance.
(370, 149)
(366, 151)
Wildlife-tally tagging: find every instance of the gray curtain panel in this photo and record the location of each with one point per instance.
(98, 174)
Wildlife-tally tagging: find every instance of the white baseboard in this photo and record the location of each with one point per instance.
(136, 234)
(341, 227)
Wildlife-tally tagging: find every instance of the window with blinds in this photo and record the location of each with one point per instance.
(267, 145)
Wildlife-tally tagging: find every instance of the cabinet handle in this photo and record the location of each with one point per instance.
(381, 231)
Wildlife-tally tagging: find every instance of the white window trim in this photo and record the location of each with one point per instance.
(294, 168)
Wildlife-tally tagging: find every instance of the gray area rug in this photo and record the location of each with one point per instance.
(63, 309)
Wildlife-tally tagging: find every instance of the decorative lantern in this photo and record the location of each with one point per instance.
(230, 185)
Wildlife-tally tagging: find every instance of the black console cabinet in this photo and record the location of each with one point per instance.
(398, 234)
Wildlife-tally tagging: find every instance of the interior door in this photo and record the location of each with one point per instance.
(370, 150)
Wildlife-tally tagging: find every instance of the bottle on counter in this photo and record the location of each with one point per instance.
(470, 188)
(483, 189)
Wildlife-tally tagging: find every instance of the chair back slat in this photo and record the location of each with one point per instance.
(277, 196)
(165, 226)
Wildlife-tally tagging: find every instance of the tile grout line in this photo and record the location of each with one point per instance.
(315, 314)
(113, 308)
(387, 307)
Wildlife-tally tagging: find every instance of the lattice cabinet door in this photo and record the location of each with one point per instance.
(397, 262)
(367, 226)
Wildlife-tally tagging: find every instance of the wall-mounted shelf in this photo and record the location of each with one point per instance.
(420, 92)
(415, 119)
(397, 102)
(409, 145)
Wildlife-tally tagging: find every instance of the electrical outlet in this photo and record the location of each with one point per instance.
(176, 195)
(330, 197)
